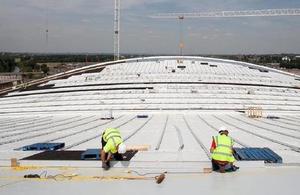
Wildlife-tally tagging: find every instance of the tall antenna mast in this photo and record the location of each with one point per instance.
(117, 30)
(47, 24)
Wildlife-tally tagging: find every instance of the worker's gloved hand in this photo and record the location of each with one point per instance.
(105, 165)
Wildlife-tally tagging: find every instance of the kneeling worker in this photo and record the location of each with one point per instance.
(112, 146)
(222, 152)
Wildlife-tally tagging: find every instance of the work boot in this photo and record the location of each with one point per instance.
(222, 169)
(108, 164)
(235, 168)
(105, 165)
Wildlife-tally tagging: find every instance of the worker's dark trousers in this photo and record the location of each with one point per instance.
(217, 166)
(116, 156)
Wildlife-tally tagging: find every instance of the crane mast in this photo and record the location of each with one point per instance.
(117, 30)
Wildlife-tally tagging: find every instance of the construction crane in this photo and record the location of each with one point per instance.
(47, 27)
(181, 44)
(225, 14)
(117, 30)
(222, 14)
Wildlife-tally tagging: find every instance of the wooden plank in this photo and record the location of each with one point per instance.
(138, 147)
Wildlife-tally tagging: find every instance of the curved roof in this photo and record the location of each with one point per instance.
(185, 100)
(156, 83)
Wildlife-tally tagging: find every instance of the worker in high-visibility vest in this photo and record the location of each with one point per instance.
(222, 152)
(112, 146)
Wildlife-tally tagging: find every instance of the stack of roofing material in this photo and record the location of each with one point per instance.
(257, 154)
(44, 146)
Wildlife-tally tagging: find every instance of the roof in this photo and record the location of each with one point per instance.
(182, 100)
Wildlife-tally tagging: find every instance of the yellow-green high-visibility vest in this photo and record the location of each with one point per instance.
(223, 150)
(113, 138)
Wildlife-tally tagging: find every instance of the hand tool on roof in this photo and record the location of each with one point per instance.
(159, 178)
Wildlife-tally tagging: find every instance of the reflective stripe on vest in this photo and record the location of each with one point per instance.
(112, 138)
(107, 136)
(222, 153)
(110, 132)
(222, 144)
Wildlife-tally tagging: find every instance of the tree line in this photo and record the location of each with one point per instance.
(37, 62)
(31, 62)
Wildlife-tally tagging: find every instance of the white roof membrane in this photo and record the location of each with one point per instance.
(185, 99)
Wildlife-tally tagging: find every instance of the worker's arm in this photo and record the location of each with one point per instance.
(107, 150)
(232, 143)
(109, 156)
(213, 145)
(103, 155)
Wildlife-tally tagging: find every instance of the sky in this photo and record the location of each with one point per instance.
(86, 26)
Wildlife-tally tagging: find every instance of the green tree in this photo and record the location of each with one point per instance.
(45, 68)
(7, 64)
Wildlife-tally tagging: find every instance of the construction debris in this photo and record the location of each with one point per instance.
(14, 162)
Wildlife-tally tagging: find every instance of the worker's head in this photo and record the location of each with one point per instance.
(223, 130)
(121, 148)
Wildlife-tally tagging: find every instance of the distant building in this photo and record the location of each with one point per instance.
(10, 76)
(273, 65)
(286, 58)
(10, 79)
(17, 60)
(8, 84)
